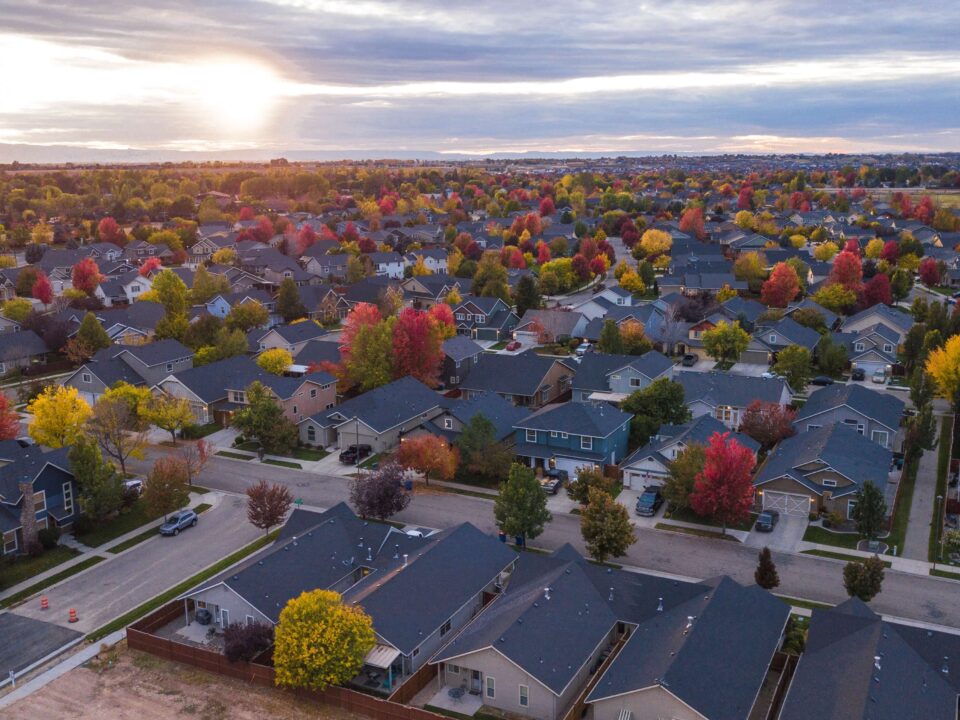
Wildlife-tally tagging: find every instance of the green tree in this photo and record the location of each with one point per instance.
(922, 388)
(246, 316)
(481, 455)
(91, 334)
(320, 641)
(660, 402)
(587, 480)
(863, 579)
(490, 279)
(610, 339)
(766, 575)
(263, 420)
(831, 357)
(870, 510)
(521, 507)
(371, 356)
(793, 362)
(166, 488)
(202, 331)
(528, 295)
(207, 286)
(99, 486)
(289, 304)
(605, 525)
(683, 474)
(171, 292)
(726, 341)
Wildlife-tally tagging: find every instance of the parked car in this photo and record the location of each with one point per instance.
(858, 374)
(822, 380)
(689, 360)
(178, 521)
(133, 487)
(513, 345)
(956, 295)
(553, 480)
(767, 521)
(584, 348)
(770, 375)
(879, 376)
(355, 453)
(649, 501)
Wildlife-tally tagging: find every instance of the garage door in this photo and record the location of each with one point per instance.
(786, 503)
(569, 464)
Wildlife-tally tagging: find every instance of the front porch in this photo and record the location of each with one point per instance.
(382, 671)
(453, 698)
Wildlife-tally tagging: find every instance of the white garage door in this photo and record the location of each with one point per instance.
(570, 465)
(786, 503)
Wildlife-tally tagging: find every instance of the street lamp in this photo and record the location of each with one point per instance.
(939, 528)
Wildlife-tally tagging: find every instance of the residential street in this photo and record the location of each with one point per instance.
(904, 595)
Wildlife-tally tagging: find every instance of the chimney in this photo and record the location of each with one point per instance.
(360, 544)
(28, 515)
(546, 593)
(396, 552)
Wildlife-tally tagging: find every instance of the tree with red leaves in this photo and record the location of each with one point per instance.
(473, 251)
(598, 265)
(581, 266)
(327, 234)
(86, 276)
(745, 199)
(723, 489)
(108, 230)
(42, 290)
(150, 265)
(543, 252)
(263, 230)
(247, 213)
(925, 210)
(588, 248)
(768, 422)
(890, 252)
(417, 347)
(547, 207)
(691, 222)
(796, 200)
(429, 455)
(9, 420)
(847, 271)
(876, 291)
(852, 247)
(781, 287)
(267, 504)
(929, 271)
(305, 238)
(367, 245)
(350, 233)
(441, 315)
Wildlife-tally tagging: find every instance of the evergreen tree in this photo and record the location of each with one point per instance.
(611, 341)
(605, 525)
(521, 507)
(766, 575)
(289, 304)
(91, 334)
(869, 511)
(528, 295)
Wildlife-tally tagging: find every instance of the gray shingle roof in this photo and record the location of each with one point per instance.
(510, 374)
(699, 431)
(595, 368)
(719, 388)
(384, 407)
(19, 345)
(577, 418)
(502, 413)
(158, 352)
(460, 347)
(881, 407)
(317, 351)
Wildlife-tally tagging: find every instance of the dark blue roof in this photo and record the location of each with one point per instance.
(720, 388)
(509, 374)
(882, 407)
(502, 413)
(384, 407)
(577, 418)
(595, 369)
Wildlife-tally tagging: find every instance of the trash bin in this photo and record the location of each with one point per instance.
(519, 540)
(503, 537)
(408, 485)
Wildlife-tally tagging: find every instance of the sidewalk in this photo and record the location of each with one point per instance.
(901, 564)
(917, 538)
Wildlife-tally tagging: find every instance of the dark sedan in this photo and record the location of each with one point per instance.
(822, 380)
(767, 521)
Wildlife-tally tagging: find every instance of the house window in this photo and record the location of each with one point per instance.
(86, 377)
(135, 288)
(481, 319)
(635, 382)
(586, 443)
(238, 396)
(453, 669)
(250, 620)
(295, 411)
(40, 501)
(858, 346)
(445, 628)
(553, 433)
(9, 542)
(448, 423)
(416, 651)
(813, 427)
(887, 348)
(68, 498)
(773, 338)
(724, 413)
(614, 377)
(619, 301)
(564, 436)
(880, 436)
(169, 367)
(224, 617)
(829, 483)
(311, 433)
(524, 696)
(491, 687)
(459, 316)
(531, 435)
(313, 392)
(850, 505)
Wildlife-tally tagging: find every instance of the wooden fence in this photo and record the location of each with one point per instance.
(414, 684)
(786, 664)
(140, 636)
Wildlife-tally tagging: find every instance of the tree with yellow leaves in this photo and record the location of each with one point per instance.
(225, 256)
(275, 361)
(420, 267)
(169, 413)
(726, 293)
(744, 220)
(453, 298)
(631, 282)
(59, 414)
(943, 365)
(825, 251)
(874, 248)
(655, 242)
(320, 641)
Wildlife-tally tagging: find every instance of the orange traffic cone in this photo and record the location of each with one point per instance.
(73, 615)
(44, 603)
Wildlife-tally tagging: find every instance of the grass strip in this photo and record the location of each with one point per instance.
(898, 529)
(822, 536)
(808, 604)
(840, 556)
(283, 463)
(694, 531)
(234, 456)
(19, 597)
(945, 574)
(307, 454)
(24, 568)
(165, 597)
(943, 464)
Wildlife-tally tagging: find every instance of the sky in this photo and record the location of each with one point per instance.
(116, 79)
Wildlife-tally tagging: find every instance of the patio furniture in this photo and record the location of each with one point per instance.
(456, 694)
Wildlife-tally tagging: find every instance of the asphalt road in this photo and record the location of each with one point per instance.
(26, 640)
(120, 584)
(904, 595)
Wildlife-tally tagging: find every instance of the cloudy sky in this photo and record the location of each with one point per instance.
(244, 78)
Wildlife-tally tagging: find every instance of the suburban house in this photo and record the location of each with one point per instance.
(612, 378)
(654, 647)
(871, 348)
(315, 352)
(785, 332)
(216, 391)
(221, 305)
(323, 303)
(821, 470)
(418, 591)
(37, 490)
(134, 324)
(484, 318)
(597, 306)
(526, 379)
(140, 250)
(726, 397)
(460, 354)
(742, 310)
(124, 289)
(377, 418)
(872, 414)
(134, 364)
(425, 291)
(291, 338)
(830, 319)
(899, 322)
(650, 464)
(572, 435)
(389, 264)
(327, 266)
(537, 327)
(434, 259)
(20, 349)
(502, 414)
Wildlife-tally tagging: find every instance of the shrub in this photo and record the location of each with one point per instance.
(35, 549)
(82, 525)
(49, 537)
(245, 642)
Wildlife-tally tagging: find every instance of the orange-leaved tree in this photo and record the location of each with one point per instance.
(429, 455)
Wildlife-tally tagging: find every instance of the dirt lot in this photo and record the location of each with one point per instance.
(129, 685)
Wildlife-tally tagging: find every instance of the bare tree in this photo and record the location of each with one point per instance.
(381, 494)
(196, 456)
(115, 427)
(267, 504)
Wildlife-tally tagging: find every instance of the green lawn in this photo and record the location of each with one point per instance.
(943, 465)
(165, 597)
(725, 365)
(945, 574)
(307, 454)
(251, 445)
(688, 515)
(369, 462)
(902, 514)
(195, 432)
(19, 597)
(25, 567)
(840, 556)
(822, 536)
(498, 346)
(284, 463)
(235, 456)
(128, 520)
(694, 531)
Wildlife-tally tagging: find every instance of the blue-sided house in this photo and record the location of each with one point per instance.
(573, 435)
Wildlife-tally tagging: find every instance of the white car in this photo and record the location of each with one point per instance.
(769, 375)
(584, 348)
(879, 376)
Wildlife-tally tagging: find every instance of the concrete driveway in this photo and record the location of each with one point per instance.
(701, 366)
(786, 536)
(628, 498)
(749, 369)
